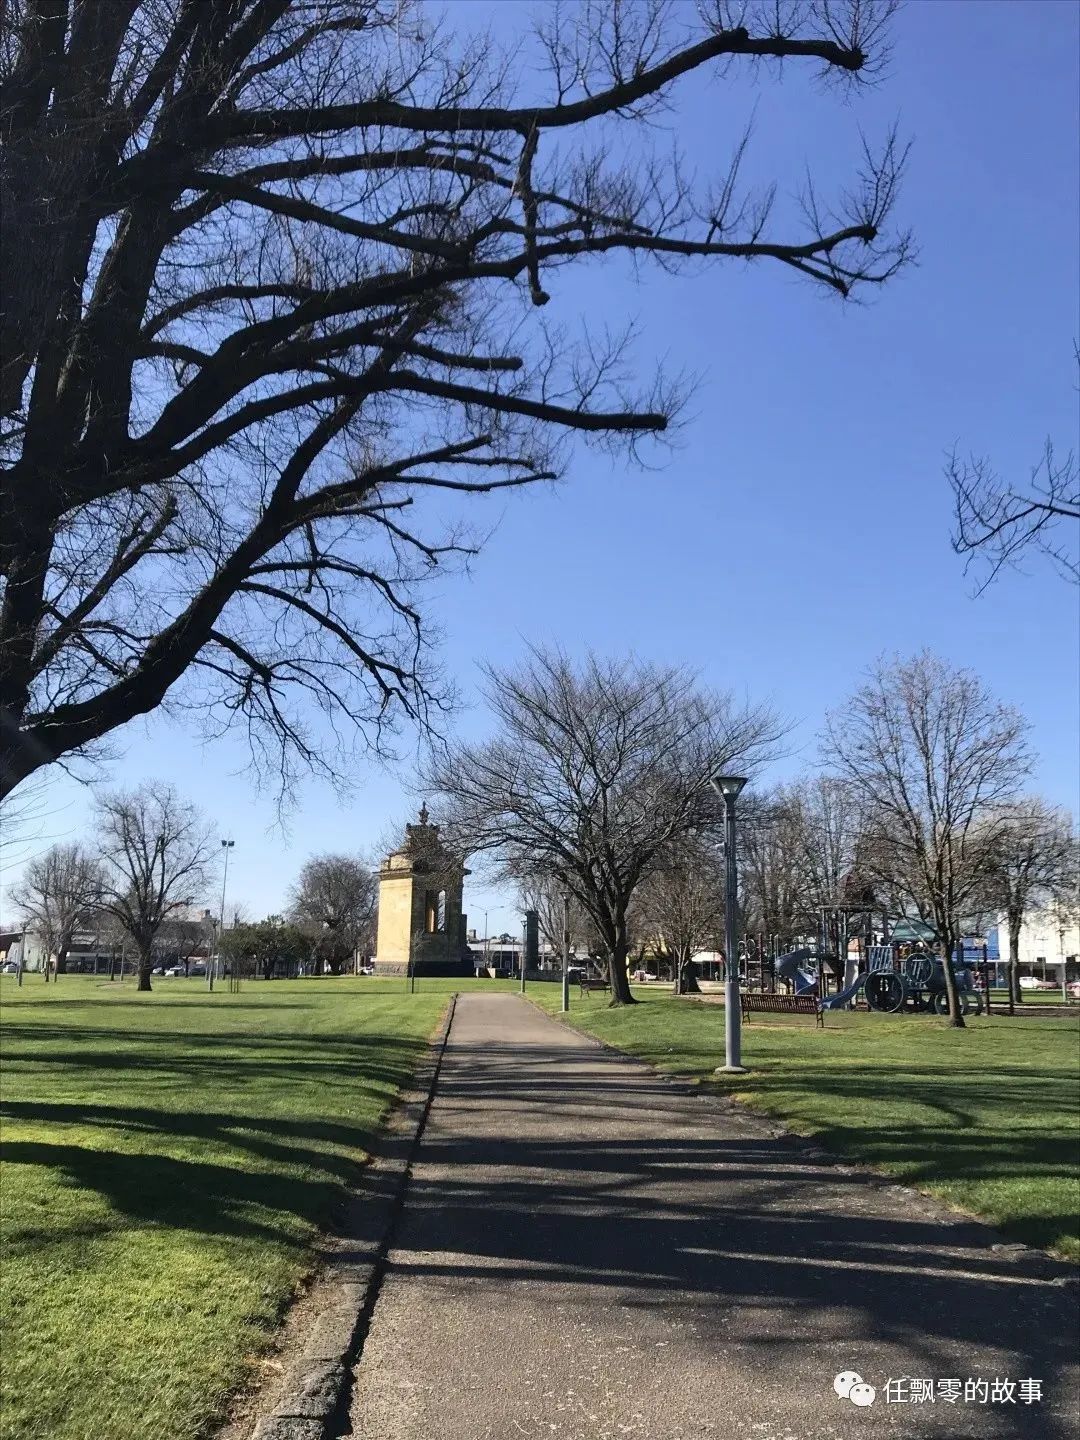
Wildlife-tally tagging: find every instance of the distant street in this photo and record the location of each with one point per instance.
(590, 1253)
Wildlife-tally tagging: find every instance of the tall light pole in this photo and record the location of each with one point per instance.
(226, 845)
(565, 954)
(524, 947)
(728, 787)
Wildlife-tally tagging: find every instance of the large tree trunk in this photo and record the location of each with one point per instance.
(146, 964)
(686, 982)
(620, 980)
(956, 1014)
(1016, 995)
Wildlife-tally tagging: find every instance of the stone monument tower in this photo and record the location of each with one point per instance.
(421, 927)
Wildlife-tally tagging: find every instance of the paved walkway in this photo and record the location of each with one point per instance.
(590, 1253)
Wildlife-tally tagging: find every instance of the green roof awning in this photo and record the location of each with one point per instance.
(906, 932)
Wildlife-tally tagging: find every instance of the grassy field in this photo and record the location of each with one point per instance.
(988, 1118)
(167, 1159)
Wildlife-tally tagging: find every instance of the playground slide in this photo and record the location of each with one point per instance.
(844, 997)
(787, 968)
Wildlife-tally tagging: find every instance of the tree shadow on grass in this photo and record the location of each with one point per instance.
(183, 1194)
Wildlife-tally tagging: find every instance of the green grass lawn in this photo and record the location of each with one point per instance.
(167, 1160)
(987, 1118)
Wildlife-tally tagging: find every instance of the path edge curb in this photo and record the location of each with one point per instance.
(317, 1388)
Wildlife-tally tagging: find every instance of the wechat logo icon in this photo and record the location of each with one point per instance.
(850, 1385)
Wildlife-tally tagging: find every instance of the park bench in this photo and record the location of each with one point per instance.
(593, 982)
(782, 1005)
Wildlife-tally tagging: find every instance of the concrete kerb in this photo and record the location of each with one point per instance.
(1059, 1271)
(314, 1395)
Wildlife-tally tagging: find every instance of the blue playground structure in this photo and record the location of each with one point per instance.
(790, 967)
(914, 983)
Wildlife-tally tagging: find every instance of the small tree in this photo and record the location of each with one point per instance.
(933, 757)
(595, 771)
(158, 854)
(59, 892)
(681, 906)
(547, 898)
(335, 902)
(1033, 860)
(264, 943)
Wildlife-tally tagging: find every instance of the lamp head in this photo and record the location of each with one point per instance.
(727, 786)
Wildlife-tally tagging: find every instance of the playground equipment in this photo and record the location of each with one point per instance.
(916, 982)
(789, 967)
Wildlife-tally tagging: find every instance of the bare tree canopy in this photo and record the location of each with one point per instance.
(158, 857)
(335, 902)
(269, 292)
(800, 854)
(998, 524)
(58, 894)
(680, 906)
(594, 770)
(933, 757)
(1033, 862)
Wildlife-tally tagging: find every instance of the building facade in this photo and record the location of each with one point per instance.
(421, 925)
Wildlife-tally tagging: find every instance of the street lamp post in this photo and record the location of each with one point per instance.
(728, 787)
(226, 845)
(524, 947)
(565, 954)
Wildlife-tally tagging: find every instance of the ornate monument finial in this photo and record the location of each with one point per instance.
(424, 813)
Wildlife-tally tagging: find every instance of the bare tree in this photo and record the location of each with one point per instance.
(58, 894)
(546, 896)
(1033, 862)
(680, 905)
(933, 757)
(158, 857)
(799, 857)
(999, 523)
(595, 771)
(268, 271)
(335, 901)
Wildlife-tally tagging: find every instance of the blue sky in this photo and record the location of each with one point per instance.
(802, 527)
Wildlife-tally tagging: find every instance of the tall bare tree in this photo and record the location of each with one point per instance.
(59, 893)
(594, 772)
(680, 906)
(269, 268)
(799, 861)
(933, 757)
(158, 856)
(1033, 862)
(335, 901)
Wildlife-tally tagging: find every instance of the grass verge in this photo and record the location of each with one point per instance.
(987, 1118)
(167, 1161)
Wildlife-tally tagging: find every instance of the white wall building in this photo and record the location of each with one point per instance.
(1047, 942)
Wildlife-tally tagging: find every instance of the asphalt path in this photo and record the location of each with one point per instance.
(589, 1252)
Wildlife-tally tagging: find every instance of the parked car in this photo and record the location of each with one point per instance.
(175, 970)
(1073, 989)
(158, 970)
(9, 967)
(197, 971)
(1035, 982)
